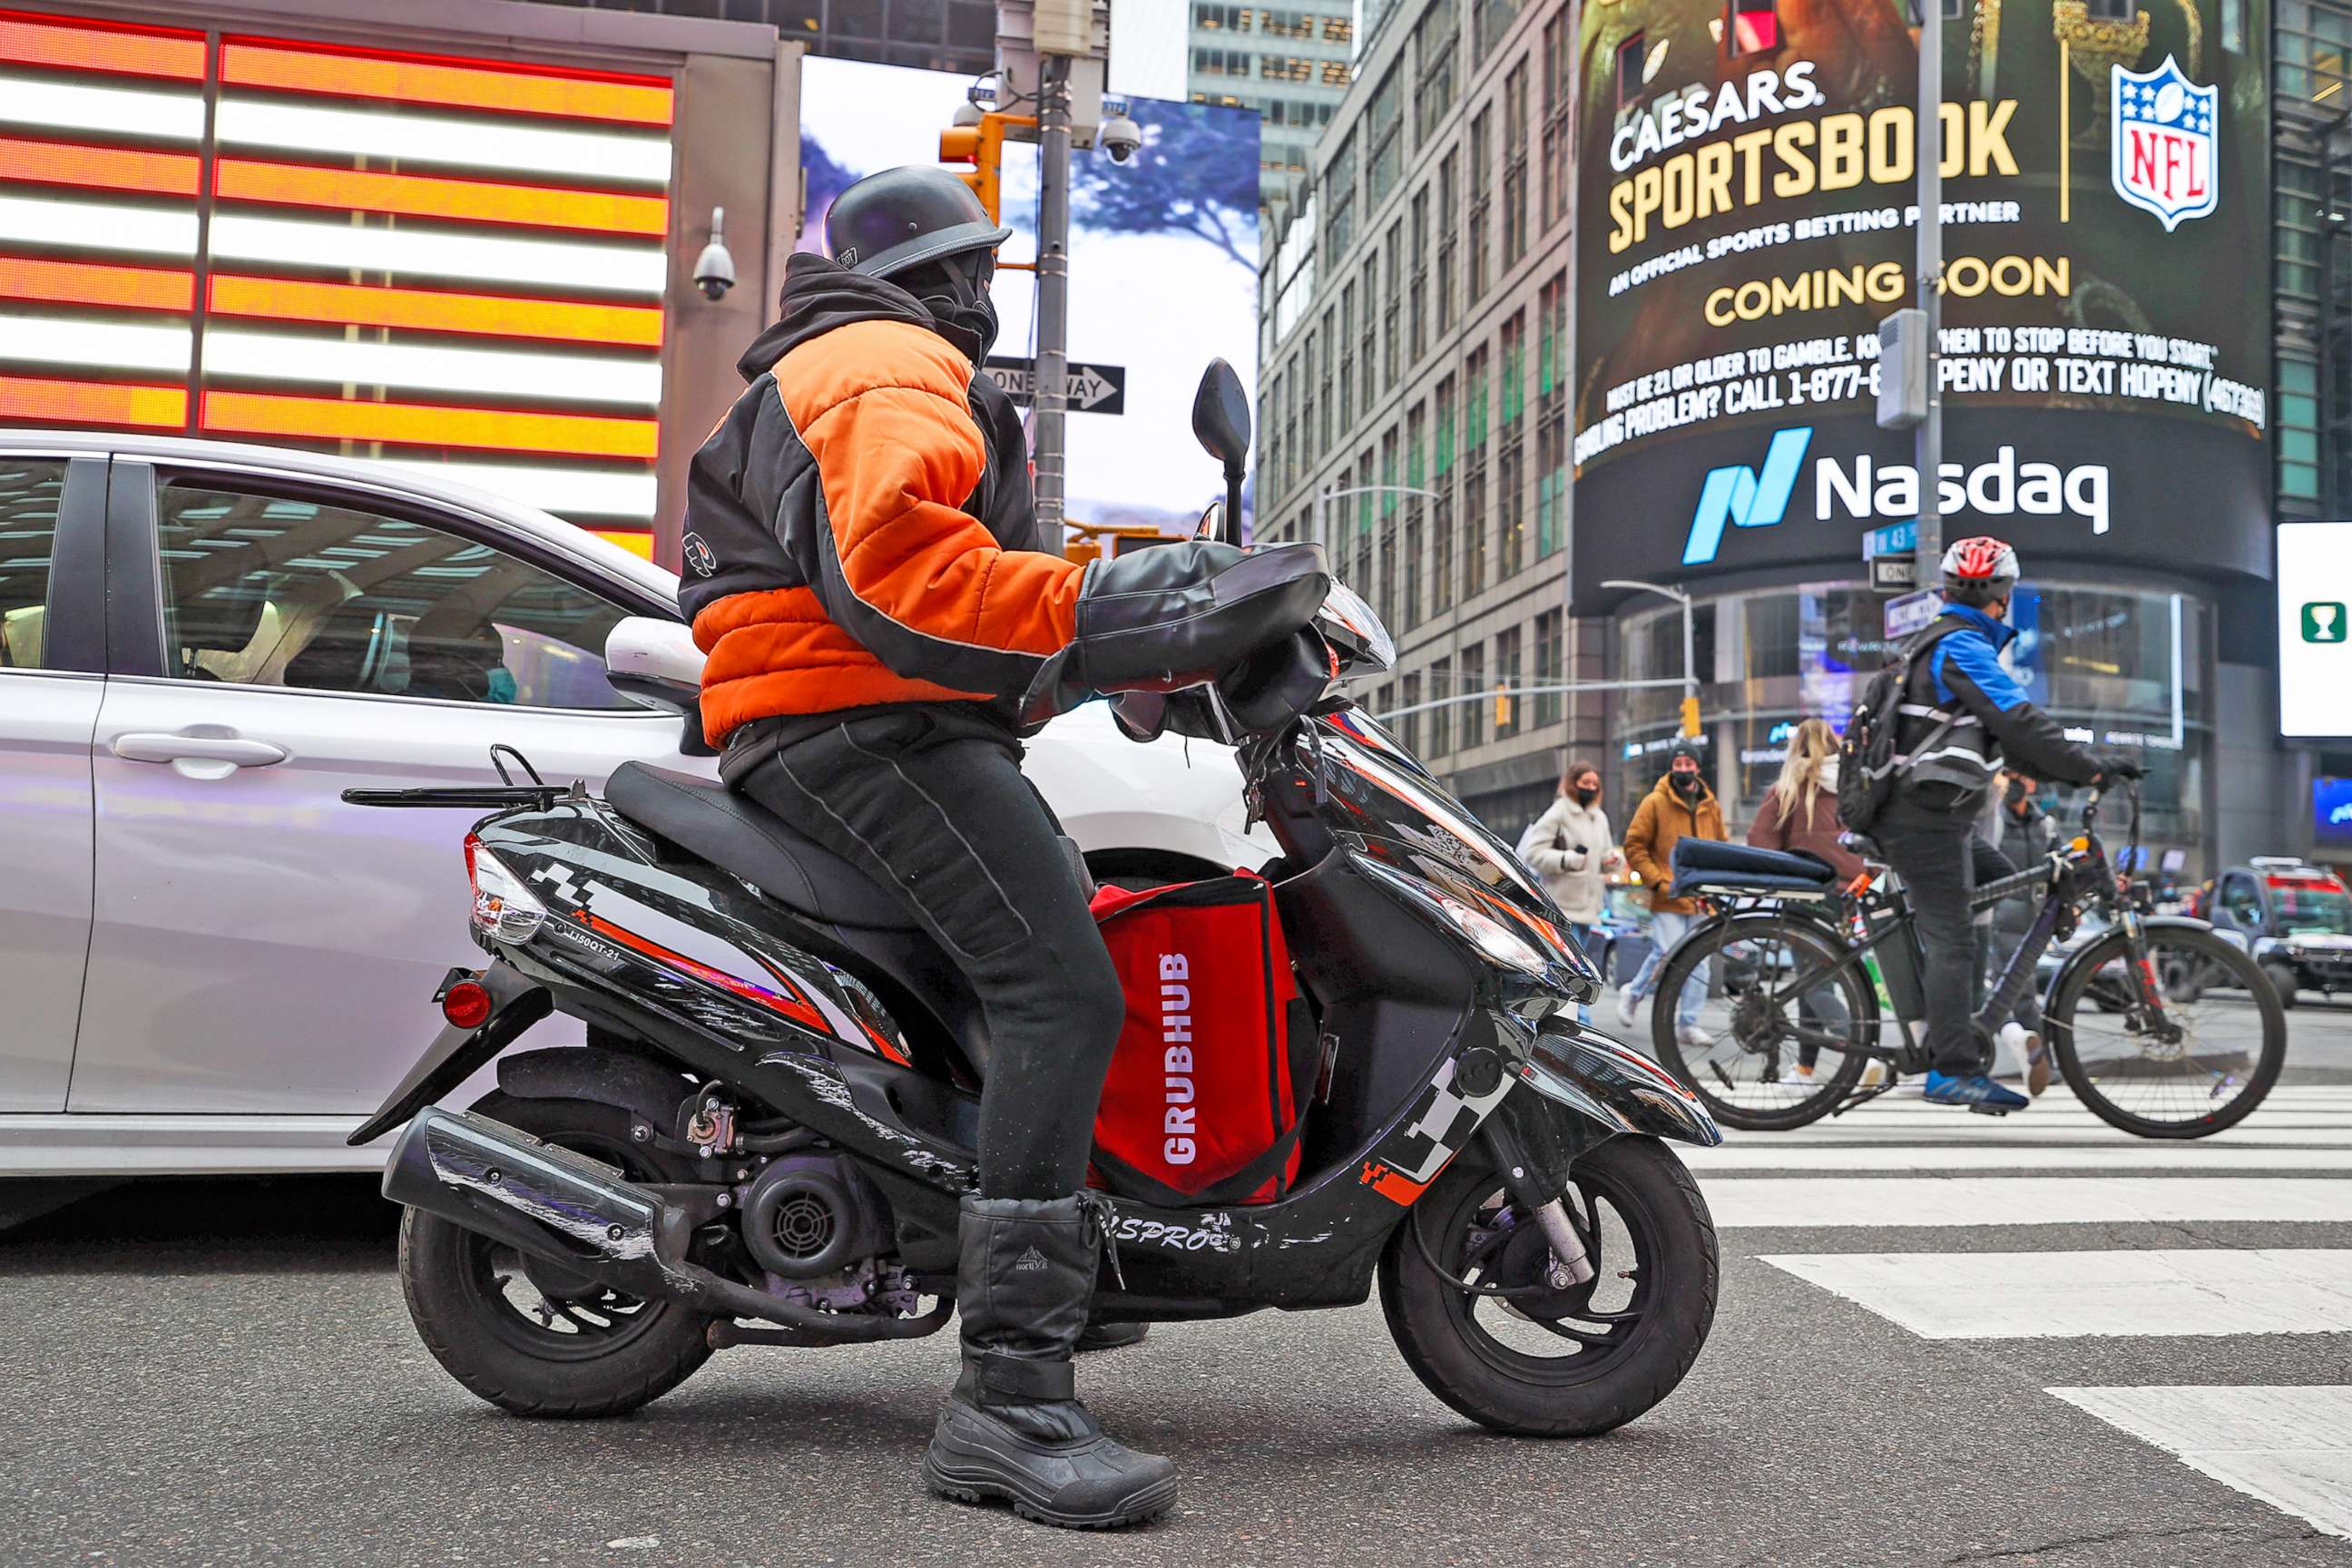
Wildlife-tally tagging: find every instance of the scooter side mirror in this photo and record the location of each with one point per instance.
(1212, 525)
(1221, 417)
(653, 662)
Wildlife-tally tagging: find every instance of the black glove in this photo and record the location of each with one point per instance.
(2116, 764)
(1277, 683)
(1177, 616)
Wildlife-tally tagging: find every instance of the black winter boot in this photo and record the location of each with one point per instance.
(1013, 1427)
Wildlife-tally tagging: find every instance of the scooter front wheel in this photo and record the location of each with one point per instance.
(1466, 1286)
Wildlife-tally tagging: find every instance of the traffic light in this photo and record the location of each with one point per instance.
(1690, 716)
(1502, 707)
(982, 147)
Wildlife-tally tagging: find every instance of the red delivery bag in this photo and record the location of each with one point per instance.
(1200, 1105)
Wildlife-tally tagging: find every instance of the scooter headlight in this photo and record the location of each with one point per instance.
(504, 910)
(1493, 941)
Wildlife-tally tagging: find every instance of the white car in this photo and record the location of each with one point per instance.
(209, 962)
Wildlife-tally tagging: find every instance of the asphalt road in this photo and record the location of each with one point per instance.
(223, 1373)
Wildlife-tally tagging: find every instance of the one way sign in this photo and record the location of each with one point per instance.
(1093, 388)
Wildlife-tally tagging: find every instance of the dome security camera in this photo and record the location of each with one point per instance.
(714, 270)
(1121, 137)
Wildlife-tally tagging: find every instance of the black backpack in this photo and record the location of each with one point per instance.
(1868, 763)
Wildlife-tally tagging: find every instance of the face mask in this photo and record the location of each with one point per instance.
(958, 294)
(1586, 794)
(2016, 793)
(1685, 784)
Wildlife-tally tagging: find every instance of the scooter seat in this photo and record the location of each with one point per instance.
(734, 832)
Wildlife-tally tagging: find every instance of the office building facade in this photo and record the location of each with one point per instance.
(1414, 398)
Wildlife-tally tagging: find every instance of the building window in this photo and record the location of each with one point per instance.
(1474, 684)
(1473, 473)
(1482, 147)
(1392, 302)
(1507, 716)
(1323, 429)
(1340, 200)
(1229, 18)
(1629, 56)
(1550, 669)
(1551, 419)
(1440, 719)
(1338, 30)
(1416, 475)
(1307, 374)
(1448, 186)
(1286, 24)
(1492, 20)
(1755, 26)
(1220, 62)
(1433, 40)
(1335, 73)
(1416, 314)
(1441, 524)
(1346, 358)
(1372, 361)
(1514, 164)
(1408, 729)
(1283, 67)
(1557, 138)
(1385, 152)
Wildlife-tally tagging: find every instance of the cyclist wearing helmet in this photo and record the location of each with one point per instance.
(1963, 713)
(865, 575)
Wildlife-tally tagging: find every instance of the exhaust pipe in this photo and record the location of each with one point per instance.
(508, 1186)
(550, 1203)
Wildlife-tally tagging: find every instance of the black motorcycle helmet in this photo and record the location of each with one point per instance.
(888, 223)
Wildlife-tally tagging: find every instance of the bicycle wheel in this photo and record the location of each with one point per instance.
(1749, 1038)
(2183, 1068)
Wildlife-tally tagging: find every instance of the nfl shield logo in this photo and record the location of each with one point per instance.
(2165, 139)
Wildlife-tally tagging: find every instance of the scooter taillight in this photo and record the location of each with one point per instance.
(504, 909)
(467, 1005)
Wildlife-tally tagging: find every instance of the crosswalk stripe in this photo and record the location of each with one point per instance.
(2045, 1295)
(2291, 1447)
(2123, 1154)
(2339, 1134)
(1742, 1202)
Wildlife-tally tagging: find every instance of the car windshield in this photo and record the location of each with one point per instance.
(2325, 910)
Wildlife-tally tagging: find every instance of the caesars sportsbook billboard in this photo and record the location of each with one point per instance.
(1745, 189)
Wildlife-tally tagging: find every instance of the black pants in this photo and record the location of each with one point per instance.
(930, 801)
(1935, 853)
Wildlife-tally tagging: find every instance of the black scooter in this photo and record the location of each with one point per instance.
(766, 1136)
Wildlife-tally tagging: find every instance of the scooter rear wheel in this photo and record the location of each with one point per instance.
(1540, 1363)
(521, 1333)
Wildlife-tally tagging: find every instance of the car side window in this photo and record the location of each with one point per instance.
(264, 590)
(30, 490)
(2243, 904)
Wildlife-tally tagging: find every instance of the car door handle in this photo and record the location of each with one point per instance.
(159, 746)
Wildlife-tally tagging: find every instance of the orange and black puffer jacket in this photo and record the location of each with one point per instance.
(859, 529)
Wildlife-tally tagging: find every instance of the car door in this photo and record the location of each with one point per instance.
(52, 657)
(259, 946)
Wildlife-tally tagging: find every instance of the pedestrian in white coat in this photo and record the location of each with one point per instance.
(1571, 849)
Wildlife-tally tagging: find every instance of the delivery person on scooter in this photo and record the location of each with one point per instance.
(864, 573)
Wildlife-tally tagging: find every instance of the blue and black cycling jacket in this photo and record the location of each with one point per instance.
(1984, 716)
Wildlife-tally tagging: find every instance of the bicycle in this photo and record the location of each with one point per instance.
(2160, 1027)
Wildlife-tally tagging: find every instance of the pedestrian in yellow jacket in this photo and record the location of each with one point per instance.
(1679, 806)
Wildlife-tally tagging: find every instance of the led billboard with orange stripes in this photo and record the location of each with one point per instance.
(418, 257)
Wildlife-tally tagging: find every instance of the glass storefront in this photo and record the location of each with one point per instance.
(2122, 666)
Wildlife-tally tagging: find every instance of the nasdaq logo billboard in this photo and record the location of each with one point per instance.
(1741, 497)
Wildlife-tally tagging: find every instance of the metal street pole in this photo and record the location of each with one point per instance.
(1690, 637)
(1928, 436)
(1051, 396)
